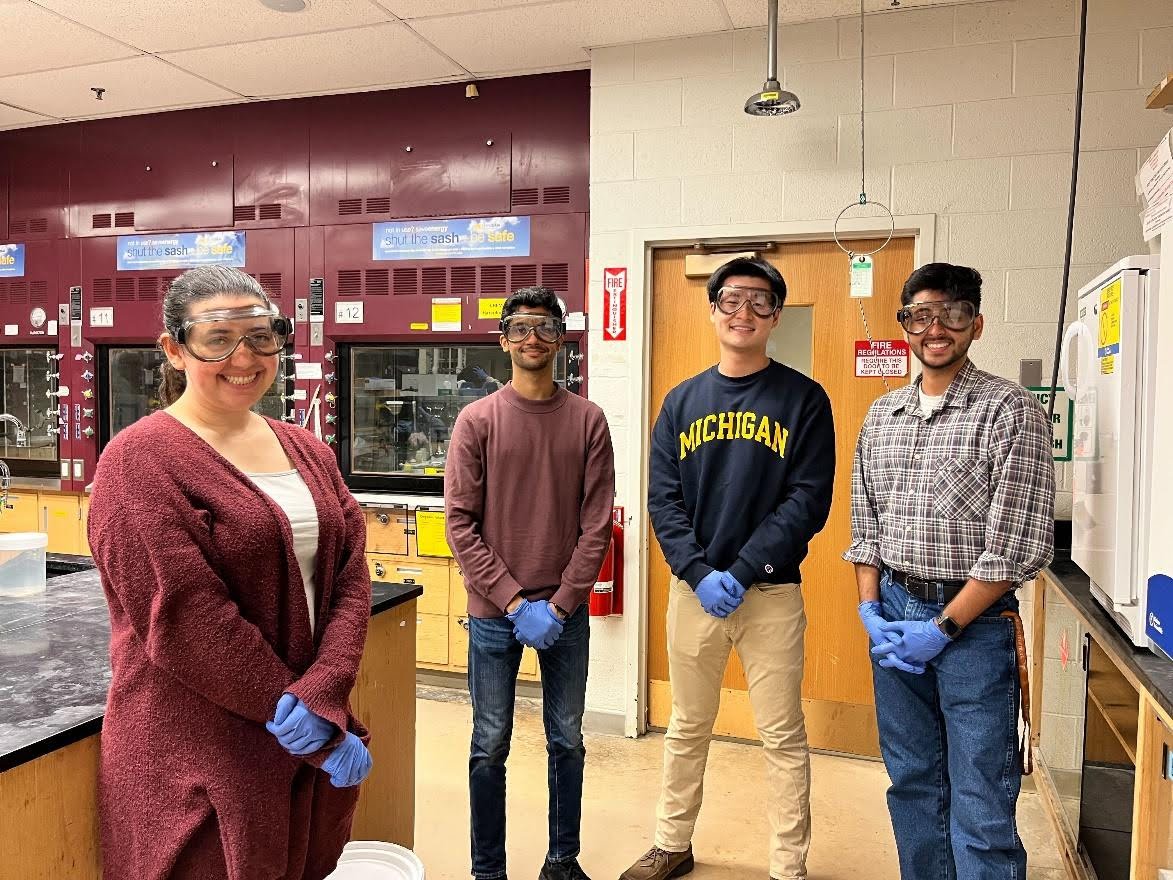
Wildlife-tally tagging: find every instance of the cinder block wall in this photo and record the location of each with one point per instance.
(970, 119)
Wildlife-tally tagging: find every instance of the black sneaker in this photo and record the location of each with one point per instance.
(569, 870)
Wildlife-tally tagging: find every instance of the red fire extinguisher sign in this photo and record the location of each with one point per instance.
(615, 304)
(607, 595)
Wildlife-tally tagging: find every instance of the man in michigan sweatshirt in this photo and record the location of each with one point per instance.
(742, 466)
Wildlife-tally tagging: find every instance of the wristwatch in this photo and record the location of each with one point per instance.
(562, 614)
(947, 625)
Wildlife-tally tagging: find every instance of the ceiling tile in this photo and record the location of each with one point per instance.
(752, 13)
(432, 8)
(385, 54)
(36, 39)
(10, 117)
(168, 25)
(132, 85)
(558, 33)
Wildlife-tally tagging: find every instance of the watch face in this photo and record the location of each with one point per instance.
(949, 627)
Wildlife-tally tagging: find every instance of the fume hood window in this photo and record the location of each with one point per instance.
(404, 400)
(132, 388)
(24, 387)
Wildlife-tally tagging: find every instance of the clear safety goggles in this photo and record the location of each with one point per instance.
(731, 298)
(517, 328)
(214, 336)
(919, 317)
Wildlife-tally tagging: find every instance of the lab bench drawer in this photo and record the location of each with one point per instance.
(433, 578)
(431, 639)
(387, 530)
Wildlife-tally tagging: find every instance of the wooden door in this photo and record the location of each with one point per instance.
(837, 690)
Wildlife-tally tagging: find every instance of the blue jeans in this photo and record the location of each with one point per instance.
(950, 743)
(494, 657)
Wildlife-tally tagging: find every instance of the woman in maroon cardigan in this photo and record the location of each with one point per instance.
(231, 554)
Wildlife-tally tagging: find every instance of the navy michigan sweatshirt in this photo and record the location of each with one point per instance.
(742, 470)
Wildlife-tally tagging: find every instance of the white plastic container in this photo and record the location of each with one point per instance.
(376, 860)
(22, 564)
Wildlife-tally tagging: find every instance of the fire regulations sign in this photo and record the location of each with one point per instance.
(881, 357)
(615, 304)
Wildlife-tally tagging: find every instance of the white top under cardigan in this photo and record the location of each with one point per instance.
(289, 492)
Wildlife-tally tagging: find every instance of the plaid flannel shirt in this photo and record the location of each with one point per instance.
(968, 493)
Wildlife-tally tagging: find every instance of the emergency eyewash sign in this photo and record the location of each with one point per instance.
(1063, 421)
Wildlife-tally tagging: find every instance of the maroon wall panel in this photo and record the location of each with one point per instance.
(35, 295)
(3, 191)
(271, 164)
(102, 184)
(39, 161)
(185, 181)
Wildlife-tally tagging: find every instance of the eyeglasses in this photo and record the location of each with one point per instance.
(517, 328)
(731, 298)
(214, 336)
(918, 318)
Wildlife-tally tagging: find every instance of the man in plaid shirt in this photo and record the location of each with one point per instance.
(952, 508)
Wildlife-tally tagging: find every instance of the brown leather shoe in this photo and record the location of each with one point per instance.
(659, 864)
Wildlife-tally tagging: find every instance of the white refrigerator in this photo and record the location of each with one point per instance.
(1110, 363)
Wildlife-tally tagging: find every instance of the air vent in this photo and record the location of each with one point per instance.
(269, 212)
(378, 282)
(241, 213)
(381, 205)
(101, 221)
(124, 219)
(18, 292)
(39, 292)
(349, 206)
(39, 224)
(524, 197)
(406, 282)
(435, 281)
(124, 289)
(556, 276)
(148, 288)
(556, 195)
(464, 279)
(271, 283)
(103, 289)
(349, 282)
(3, 291)
(522, 276)
(18, 227)
(492, 280)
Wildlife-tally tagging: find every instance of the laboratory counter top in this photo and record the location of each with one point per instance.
(1153, 672)
(55, 666)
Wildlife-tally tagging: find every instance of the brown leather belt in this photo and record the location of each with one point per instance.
(1024, 752)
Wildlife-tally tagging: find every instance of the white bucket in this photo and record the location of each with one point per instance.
(376, 860)
(22, 564)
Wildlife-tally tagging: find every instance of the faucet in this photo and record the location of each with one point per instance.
(21, 437)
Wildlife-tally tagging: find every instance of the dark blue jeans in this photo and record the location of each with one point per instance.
(950, 743)
(494, 656)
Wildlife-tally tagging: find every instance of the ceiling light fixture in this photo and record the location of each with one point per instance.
(285, 5)
(772, 100)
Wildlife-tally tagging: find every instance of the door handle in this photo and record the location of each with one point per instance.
(379, 569)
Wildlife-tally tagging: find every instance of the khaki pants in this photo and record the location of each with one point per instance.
(767, 631)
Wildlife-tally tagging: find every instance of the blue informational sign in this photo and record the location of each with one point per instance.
(11, 260)
(1159, 620)
(453, 239)
(182, 250)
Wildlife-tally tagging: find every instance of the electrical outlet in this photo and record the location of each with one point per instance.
(1165, 874)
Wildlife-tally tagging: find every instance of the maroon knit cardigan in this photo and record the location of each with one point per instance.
(209, 627)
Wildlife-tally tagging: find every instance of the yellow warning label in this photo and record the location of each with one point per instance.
(446, 314)
(419, 326)
(490, 309)
(429, 534)
(1108, 365)
(1110, 319)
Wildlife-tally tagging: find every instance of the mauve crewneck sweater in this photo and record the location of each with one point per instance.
(528, 489)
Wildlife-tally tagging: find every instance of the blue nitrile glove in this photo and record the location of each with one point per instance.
(869, 613)
(714, 597)
(917, 642)
(535, 624)
(348, 764)
(299, 730)
(733, 586)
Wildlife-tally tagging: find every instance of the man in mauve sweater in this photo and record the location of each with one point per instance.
(528, 489)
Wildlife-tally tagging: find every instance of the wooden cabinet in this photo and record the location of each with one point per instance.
(60, 515)
(442, 611)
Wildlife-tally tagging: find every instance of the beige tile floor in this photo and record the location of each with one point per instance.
(852, 837)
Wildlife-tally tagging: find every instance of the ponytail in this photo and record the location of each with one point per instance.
(172, 384)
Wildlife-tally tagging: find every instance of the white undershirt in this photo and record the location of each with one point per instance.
(929, 404)
(289, 492)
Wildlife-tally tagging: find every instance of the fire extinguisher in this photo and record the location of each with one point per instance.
(607, 596)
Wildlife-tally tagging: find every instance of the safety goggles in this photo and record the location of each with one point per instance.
(214, 336)
(731, 298)
(517, 328)
(919, 317)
